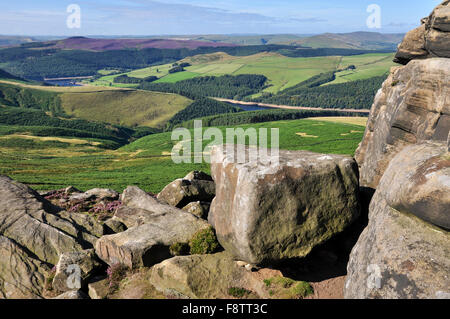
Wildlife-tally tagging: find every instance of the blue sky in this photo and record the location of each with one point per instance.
(164, 17)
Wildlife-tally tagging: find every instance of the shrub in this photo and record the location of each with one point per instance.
(49, 279)
(204, 242)
(302, 289)
(179, 249)
(287, 288)
(238, 292)
(115, 274)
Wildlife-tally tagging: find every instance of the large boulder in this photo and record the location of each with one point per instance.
(412, 46)
(140, 208)
(266, 212)
(431, 39)
(196, 186)
(158, 226)
(412, 107)
(401, 254)
(95, 194)
(207, 277)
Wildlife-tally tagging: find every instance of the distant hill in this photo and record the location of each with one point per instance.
(7, 40)
(83, 43)
(355, 40)
(265, 39)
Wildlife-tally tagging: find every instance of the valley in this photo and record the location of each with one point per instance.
(93, 130)
(282, 72)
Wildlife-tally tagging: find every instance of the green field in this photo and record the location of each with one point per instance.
(125, 107)
(282, 72)
(367, 66)
(108, 80)
(47, 163)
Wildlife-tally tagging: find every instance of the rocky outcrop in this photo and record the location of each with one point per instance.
(207, 276)
(400, 255)
(412, 107)
(419, 183)
(264, 213)
(34, 234)
(404, 252)
(196, 186)
(75, 269)
(154, 228)
(431, 39)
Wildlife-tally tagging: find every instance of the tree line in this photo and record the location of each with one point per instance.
(350, 95)
(249, 117)
(226, 86)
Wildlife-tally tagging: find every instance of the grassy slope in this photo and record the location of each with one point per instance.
(125, 107)
(115, 105)
(367, 66)
(147, 162)
(282, 72)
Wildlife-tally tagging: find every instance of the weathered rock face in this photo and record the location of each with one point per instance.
(265, 213)
(68, 277)
(99, 289)
(419, 180)
(196, 186)
(154, 228)
(21, 276)
(139, 207)
(413, 106)
(405, 250)
(47, 235)
(34, 234)
(431, 39)
(206, 276)
(400, 255)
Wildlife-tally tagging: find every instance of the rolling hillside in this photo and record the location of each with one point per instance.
(354, 40)
(103, 104)
(83, 43)
(52, 164)
(282, 72)
(125, 107)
